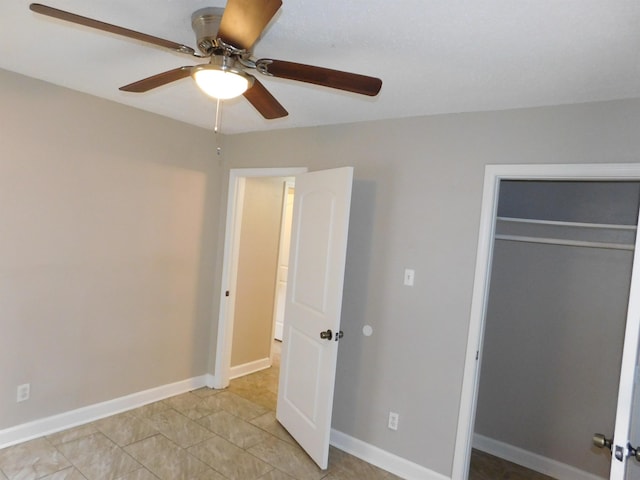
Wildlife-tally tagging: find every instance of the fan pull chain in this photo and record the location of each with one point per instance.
(216, 127)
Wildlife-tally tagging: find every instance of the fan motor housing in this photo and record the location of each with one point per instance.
(205, 23)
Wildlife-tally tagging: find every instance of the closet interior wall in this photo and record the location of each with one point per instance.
(555, 318)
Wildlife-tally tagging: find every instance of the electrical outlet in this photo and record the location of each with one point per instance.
(394, 418)
(23, 393)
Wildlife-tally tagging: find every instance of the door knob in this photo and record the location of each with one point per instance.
(600, 441)
(633, 452)
(328, 335)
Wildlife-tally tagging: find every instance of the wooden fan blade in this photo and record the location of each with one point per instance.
(350, 82)
(158, 80)
(264, 102)
(107, 27)
(243, 21)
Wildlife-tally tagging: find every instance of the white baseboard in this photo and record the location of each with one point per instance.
(531, 460)
(46, 426)
(383, 459)
(73, 418)
(247, 368)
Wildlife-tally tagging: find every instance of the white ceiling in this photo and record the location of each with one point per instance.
(433, 56)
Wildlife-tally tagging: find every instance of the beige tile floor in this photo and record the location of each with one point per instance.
(200, 435)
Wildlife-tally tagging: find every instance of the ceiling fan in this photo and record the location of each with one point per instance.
(225, 36)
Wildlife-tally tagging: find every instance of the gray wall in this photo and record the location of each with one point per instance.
(594, 202)
(108, 218)
(416, 203)
(552, 351)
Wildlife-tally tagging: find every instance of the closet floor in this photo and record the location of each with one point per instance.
(488, 467)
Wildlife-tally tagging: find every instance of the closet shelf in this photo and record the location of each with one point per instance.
(533, 221)
(577, 234)
(559, 241)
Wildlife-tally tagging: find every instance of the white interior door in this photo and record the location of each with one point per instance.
(627, 434)
(313, 306)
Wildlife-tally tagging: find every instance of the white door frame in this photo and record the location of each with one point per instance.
(230, 262)
(493, 175)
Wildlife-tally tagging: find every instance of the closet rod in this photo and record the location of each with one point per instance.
(568, 224)
(557, 241)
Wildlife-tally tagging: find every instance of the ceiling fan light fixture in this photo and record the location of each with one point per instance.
(220, 79)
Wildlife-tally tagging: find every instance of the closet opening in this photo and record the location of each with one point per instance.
(554, 326)
(552, 321)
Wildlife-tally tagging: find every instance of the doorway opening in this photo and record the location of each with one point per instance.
(508, 232)
(313, 303)
(246, 326)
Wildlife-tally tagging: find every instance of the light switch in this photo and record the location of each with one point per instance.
(409, 275)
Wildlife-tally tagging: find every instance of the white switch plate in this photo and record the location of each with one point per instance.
(409, 275)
